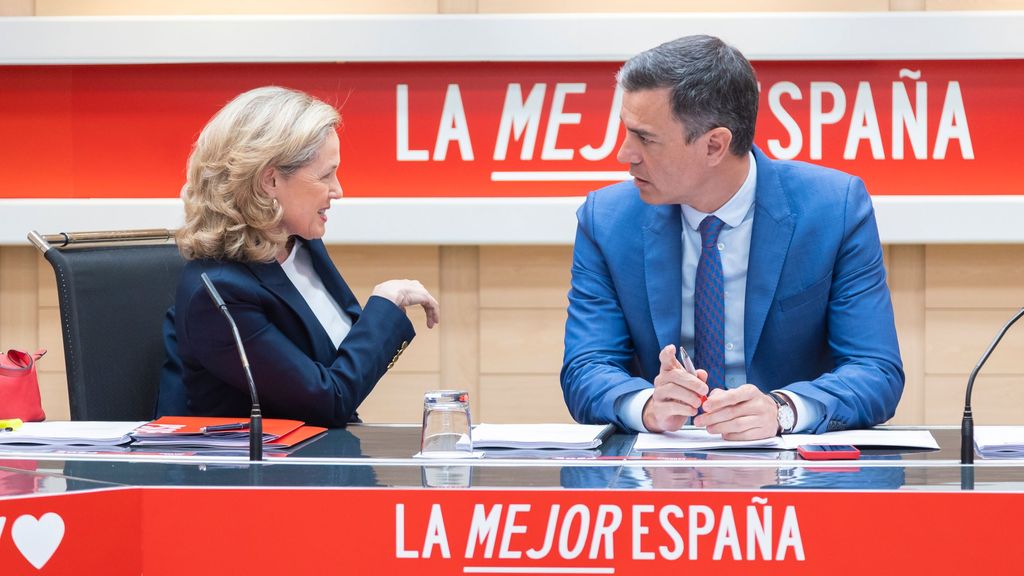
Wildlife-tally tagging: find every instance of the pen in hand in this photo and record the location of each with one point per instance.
(687, 364)
(225, 427)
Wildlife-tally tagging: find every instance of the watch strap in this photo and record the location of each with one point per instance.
(784, 400)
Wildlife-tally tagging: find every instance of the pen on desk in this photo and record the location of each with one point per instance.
(687, 364)
(225, 427)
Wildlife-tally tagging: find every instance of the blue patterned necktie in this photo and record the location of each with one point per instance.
(709, 305)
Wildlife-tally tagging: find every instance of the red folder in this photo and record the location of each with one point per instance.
(184, 431)
(300, 434)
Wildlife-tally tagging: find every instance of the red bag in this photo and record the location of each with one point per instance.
(19, 386)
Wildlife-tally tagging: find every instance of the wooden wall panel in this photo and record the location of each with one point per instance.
(460, 320)
(955, 340)
(582, 6)
(175, 7)
(398, 397)
(996, 400)
(975, 276)
(53, 390)
(525, 277)
(971, 292)
(522, 398)
(974, 4)
(28, 320)
(906, 5)
(522, 318)
(905, 265)
(46, 283)
(50, 338)
(527, 341)
(17, 7)
(457, 6)
(18, 297)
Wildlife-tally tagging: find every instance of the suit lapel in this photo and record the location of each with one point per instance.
(663, 271)
(769, 243)
(273, 278)
(332, 280)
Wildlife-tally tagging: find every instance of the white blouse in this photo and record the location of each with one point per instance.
(299, 269)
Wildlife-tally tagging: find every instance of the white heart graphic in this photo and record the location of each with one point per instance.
(37, 540)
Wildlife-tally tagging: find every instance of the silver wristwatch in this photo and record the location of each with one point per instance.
(787, 412)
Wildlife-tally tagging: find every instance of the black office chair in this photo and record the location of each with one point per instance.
(114, 290)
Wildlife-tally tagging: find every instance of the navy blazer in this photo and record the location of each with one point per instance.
(298, 372)
(818, 318)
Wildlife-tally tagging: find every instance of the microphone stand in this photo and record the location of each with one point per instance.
(967, 424)
(255, 416)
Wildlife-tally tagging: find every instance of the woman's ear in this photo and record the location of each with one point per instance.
(268, 180)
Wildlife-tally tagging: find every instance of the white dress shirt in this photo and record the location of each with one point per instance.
(299, 269)
(734, 249)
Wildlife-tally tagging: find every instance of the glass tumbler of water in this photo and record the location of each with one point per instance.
(446, 424)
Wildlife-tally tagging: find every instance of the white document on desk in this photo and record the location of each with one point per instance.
(700, 439)
(541, 436)
(78, 433)
(871, 437)
(999, 441)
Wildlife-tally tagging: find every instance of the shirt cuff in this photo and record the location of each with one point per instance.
(808, 411)
(630, 408)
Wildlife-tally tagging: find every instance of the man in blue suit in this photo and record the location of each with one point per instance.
(769, 272)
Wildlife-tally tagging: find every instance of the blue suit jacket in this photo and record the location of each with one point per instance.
(298, 372)
(818, 318)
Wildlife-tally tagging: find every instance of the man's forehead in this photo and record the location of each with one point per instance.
(647, 110)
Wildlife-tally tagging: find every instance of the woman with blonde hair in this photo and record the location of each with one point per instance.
(260, 182)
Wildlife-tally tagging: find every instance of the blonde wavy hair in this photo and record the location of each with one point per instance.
(228, 215)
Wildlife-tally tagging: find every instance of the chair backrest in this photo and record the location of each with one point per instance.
(113, 299)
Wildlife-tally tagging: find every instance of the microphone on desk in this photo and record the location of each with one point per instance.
(967, 424)
(255, 417)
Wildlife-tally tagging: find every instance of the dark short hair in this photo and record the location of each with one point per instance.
(712, 84)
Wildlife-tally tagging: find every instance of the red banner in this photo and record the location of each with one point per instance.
(425, 532)
(504, 129)
(85, 533)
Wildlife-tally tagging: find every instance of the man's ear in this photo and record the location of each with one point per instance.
(718, 139)
(268, 180)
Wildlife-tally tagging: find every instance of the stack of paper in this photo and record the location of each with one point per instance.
(999, 441)
(700, 439)
(540, 436)
(527, 454)
(57, 433)
(697, 439)
(185, 432)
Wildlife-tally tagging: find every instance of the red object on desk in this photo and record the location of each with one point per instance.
(828, 452)
(185, 425)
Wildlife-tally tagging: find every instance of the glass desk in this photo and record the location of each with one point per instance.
(370, 456)
(355, 500)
